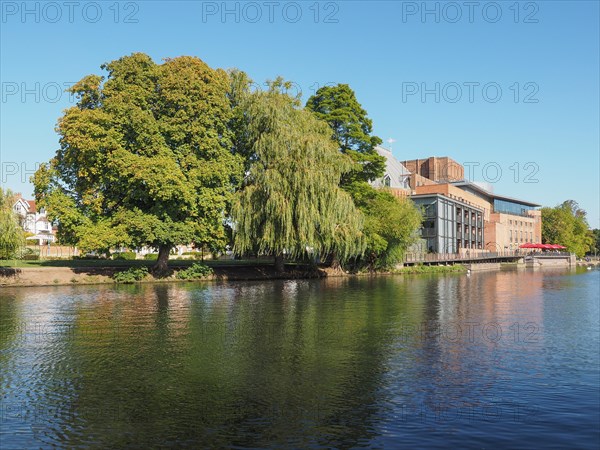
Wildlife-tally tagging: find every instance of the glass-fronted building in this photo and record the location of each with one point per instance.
(500, 203)
(450, 225)
(512, 207)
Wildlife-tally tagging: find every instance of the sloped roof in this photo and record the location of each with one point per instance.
(393, 168)
(22, 201)
(491, 195)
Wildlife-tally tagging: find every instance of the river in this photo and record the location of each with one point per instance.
(488, 360)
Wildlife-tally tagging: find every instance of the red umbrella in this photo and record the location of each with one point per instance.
(528, 245)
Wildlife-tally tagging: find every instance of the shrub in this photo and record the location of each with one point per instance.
(151, 256)
(194, 272)
(30, 254)
(194, 255)
(128, 256)
(88, 257)
(131, 275)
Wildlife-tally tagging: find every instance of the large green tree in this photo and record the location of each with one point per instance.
(145, 158)
(291, 202)
(390, 225)
(566, 224)
(11, 234)
(352, 130)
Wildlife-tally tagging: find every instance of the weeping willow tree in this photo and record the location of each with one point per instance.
(11, 234)
(291, 203)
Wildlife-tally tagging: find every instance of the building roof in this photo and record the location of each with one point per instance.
(393, 168)
(462, 202)
(479, 189)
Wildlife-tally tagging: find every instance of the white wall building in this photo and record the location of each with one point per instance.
(34, 221)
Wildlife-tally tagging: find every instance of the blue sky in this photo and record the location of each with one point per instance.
(512, 90)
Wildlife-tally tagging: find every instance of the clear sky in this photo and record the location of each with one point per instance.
(509, 88)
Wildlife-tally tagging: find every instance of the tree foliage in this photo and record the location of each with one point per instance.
(338, 106)
(390, 225)
(595, 247)
(566, 224)
(145, 158)
(291, 200)
(12, 239)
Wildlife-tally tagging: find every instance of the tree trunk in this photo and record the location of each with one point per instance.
(162, 261)
(335, 262)
(279, 264)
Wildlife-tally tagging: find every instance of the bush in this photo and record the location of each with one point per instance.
(88, 257)
(151, 256)
(194, 272)
(30, 254)
(131, 275)
(128, 256)
(194, 255)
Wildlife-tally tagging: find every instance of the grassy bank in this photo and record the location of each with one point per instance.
(60, 273)
(420, 268)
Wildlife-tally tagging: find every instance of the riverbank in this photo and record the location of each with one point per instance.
(81, 272)
(61, 276)
(61, 273)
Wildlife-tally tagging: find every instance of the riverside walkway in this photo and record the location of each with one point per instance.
(476, 257)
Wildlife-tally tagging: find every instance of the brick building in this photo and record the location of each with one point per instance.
(460, 215)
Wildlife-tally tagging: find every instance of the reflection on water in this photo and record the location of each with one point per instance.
(492, 359)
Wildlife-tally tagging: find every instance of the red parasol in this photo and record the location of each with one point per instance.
(528, 245)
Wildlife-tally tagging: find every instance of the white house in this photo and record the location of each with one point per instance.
(34, 221)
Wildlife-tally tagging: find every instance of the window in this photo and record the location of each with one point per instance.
(387, 181)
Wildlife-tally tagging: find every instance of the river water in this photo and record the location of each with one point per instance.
(492, 360)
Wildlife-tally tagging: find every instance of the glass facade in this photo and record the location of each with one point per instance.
(449, 225)
(508, 207)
